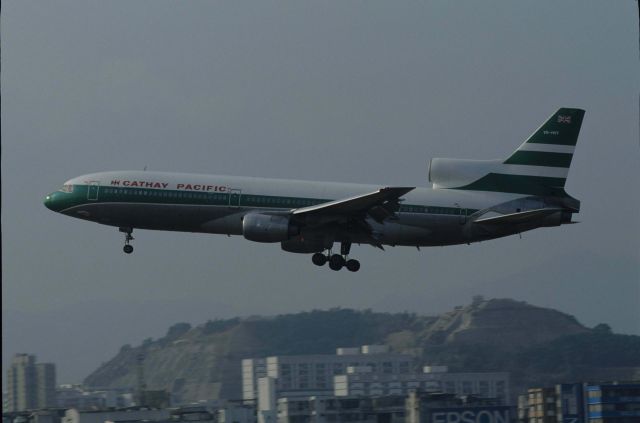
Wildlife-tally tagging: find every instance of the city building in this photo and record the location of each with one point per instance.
(615, 403)
(233, 412)
(114, 416)
(570, 403)
(266, 402)
(46, 416)
(155, 398)
(387, 409)
(80, 398)
(523, 408)
(30, 385)
(252, 370)
(361, 381)
(51, 415)
(21, 383)
(542, 405)
(371, 406)
(202, 414)
(312, 375)
(426, 407)
(45, 385)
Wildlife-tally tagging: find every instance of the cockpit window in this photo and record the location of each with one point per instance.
(67, 188)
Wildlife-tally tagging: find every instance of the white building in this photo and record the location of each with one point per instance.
(363, 382)
(252, 370)
(312, 375)
(266, 407)
(30, 385)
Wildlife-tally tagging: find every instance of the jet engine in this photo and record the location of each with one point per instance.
(267, 227)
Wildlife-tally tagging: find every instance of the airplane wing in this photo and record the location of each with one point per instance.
(519, 217)
(379, 204)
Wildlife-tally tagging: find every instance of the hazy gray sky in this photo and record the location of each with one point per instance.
(358, 91)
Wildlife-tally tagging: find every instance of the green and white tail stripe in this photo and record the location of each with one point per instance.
(541, 164)
(551, 146)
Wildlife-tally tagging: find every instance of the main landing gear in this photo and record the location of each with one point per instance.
(128, 248)
(337, 261)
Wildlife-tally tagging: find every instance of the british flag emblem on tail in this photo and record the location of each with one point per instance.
(564, 119)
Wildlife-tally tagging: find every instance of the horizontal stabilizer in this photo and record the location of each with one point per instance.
(520, 217)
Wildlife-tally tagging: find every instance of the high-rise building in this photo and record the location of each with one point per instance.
(30, 385)
(21, 383)
(45, 385)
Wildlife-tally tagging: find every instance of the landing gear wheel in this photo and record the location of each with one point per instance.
(319, 259)
(336, 262)
(127, 239)
(353, 265)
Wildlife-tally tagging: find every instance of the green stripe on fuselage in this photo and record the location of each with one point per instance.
(540, 158)
(108, 194)
(519, 184)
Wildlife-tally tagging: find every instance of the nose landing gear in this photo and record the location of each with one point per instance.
(337, 261)
(128, 248)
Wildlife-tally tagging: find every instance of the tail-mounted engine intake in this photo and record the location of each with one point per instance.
(267, 227)
(450, 173)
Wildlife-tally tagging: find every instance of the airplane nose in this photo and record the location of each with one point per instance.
(50, 202)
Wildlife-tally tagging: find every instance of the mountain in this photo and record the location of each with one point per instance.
(537, 345)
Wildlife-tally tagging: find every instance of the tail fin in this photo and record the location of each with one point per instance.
(548, 152)
(538, 167)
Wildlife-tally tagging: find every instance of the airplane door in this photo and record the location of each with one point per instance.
(463, 216)
(92, 191)
(234, 197)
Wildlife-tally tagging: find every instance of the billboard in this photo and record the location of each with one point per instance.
(489, 414)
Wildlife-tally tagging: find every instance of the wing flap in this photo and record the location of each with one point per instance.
(386, 198)
(519, 217)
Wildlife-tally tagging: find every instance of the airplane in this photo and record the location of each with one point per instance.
(469, 201)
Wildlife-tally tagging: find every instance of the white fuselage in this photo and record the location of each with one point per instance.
(217, 204)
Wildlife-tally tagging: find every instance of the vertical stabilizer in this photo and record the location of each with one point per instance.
(538, 167)
(548, 152)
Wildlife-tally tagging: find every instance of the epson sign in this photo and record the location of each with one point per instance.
(470, 416)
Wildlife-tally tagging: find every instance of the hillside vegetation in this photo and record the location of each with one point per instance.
(537, 345)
